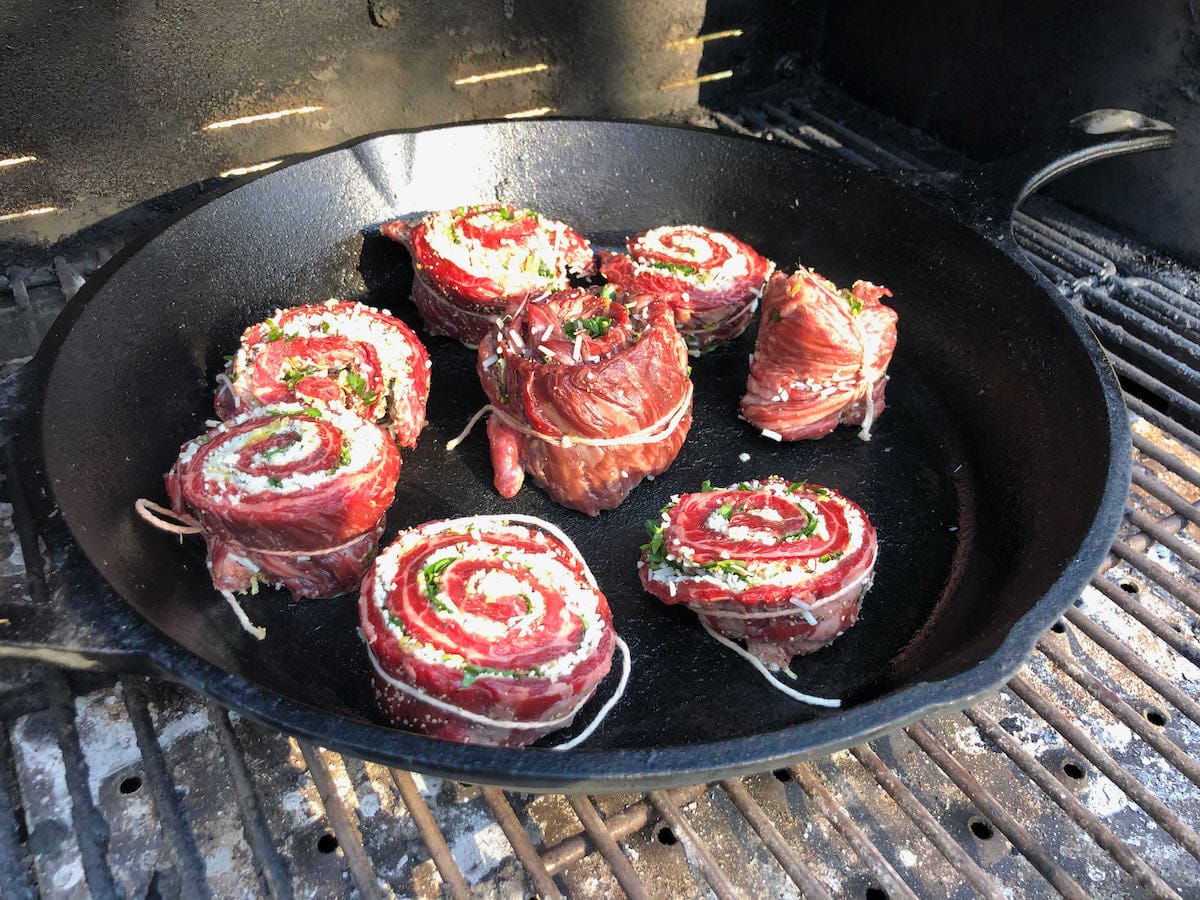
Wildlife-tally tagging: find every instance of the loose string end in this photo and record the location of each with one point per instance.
(165, 519)
(249, 627)
(626, 665)
(828, 702)
(471, 423)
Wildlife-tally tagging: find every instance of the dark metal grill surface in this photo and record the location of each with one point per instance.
(1079, 778)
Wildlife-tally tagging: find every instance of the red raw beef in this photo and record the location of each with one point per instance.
(486, 617)
(821, 357)
(472, 263)
(587, 396)
(713, 279)
(337, 353)
(782, 566)
(292, 496)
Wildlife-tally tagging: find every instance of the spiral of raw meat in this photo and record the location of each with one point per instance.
(714, 280)
(783, 566)
(338, 353)
(484, 630)
(474, 262)
(587, 395)
(290, 495)
(820, 359)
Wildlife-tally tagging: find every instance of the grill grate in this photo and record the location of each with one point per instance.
(1080, 777)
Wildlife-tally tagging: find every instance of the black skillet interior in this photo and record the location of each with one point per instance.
(985, 476)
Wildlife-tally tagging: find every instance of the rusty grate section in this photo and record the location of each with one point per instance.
(1079, 778)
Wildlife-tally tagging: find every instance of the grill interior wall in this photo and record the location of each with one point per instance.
(106, 112)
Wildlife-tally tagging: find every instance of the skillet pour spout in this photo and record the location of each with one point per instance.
(996, 478)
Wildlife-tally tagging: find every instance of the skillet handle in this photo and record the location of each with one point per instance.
(988, 195)
(60, 612)
(17, 397)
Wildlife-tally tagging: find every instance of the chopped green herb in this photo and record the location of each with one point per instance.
(274, 332)
(312, 412)
(743, 485)
(344, 455)
(656, 548)
(596, 327)
(776, 315)
(229, 357)
(358, 384)
(855, 303)
(471, 673)
(678, 268)
(726, 511)
(807, 531)
(274, 482)
(706, 486)
(796, 487)
(498, 379)
(734, 567)
(429, 574)
(608, 291)
(830, 557)
(293, 377)
(394, 620)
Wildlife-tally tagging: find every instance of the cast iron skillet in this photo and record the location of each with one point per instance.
(995, 478)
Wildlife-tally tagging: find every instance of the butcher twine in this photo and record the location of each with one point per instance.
(657, 431)
(478, 718)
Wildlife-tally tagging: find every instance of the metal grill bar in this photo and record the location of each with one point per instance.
(520, 843)
(594, 826)
(13, 874)
(1169, 460)
(349, 838)
(267, 858)
(1162, 535)
(166, 802)
(620, 826)
(1180, 589)
(432, 835)
(1169, 750)
(697, 854)
(1135, 664)
(91, 829)
(996, 813)
(889, 880)
(983, 884)
(774, 841)
(1162, 630)
(1162, 422)
(1102, 760)
(1166, 494)
(1146, 877)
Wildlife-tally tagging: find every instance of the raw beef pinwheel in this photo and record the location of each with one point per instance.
(713, 279)
(487, 630)
(820, 359)
(337, 353)
(290, 495)
(587, 396)
(782, 566)
(474, 262)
